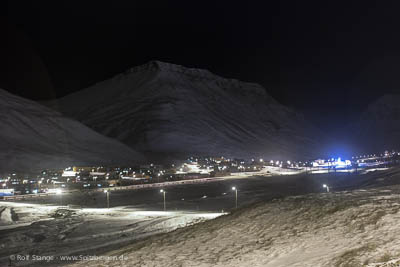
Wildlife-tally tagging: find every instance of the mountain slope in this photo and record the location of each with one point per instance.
(166, 109)
(379, 126)
(35, 137)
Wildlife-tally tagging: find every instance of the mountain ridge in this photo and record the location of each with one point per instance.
(164, 107)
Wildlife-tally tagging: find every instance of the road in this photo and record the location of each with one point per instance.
(217, 195)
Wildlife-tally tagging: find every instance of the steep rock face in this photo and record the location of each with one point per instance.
(166, 109)
(379, 126)
(33, 137)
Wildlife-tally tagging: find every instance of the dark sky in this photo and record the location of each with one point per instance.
(326, 58)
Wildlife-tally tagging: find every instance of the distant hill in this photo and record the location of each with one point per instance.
(167, 110)
(34, 137)
(378, 129)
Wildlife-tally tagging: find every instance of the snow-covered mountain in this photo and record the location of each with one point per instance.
(36, 137)
(379, 126)
(166, 109)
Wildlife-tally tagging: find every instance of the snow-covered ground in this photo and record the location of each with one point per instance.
(281, 231)
(337, 229)
(31, 229)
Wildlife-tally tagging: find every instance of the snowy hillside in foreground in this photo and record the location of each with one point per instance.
(379, 126)
(358, 228)
(55, 230)
(162, 108)
(35, 137)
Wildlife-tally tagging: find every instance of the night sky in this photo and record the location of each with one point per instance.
(328, 59)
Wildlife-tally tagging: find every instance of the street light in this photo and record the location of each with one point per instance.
(236, 200)
(108, 198)
(39, 186)
(59, 192)
(163, 191)
(327, 187)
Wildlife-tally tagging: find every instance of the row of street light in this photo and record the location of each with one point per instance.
(233, 189)
(107, 192)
